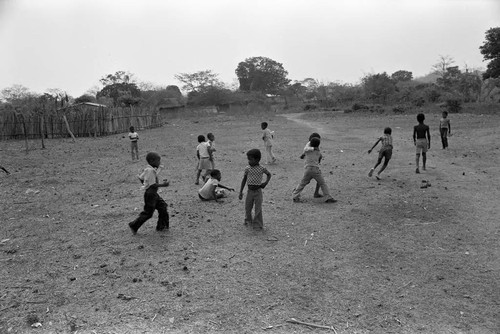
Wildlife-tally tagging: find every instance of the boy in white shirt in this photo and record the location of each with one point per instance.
(209, 190)
(134, 137)
(267, 137)
(203, 153)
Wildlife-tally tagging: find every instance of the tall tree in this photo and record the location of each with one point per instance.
(16, 93)
(491, 51)
(199, 81)
(262, 74)
(441, 67)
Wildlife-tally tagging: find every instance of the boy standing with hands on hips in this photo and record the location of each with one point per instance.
(253, 175)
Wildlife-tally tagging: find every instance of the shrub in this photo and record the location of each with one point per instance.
(359, 106)
(453, 105)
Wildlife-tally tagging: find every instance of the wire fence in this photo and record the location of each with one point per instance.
(81, 121)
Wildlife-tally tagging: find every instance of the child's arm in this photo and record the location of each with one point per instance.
(414, 135)
(243, 182)
(198, 154)
(263, 185)
(428, 132)
(224, 187)
(449, 127)
(370, 150)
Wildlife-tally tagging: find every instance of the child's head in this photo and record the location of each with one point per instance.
(445, 114)
(215, 174)
(315, 141)
(210, 136)
(263, 125)
(132, 129)
(201, 138)
(420, 118)
(314, 135)
(254, 157)
(153, 159)
(387, 131)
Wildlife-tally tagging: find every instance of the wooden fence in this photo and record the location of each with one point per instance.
(83, 121)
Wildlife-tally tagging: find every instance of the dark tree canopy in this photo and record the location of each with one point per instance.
(378, 87)
(199, 81)
(402, 75)
(491, 51)
(261, 74)
(122, 93)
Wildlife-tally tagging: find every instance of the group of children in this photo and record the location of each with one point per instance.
(254, 172)
(421, 140)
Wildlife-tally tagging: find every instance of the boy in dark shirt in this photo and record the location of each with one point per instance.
(422, 141)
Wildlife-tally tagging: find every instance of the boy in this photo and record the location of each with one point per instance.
(134, 137)
(152, 201)
(312, 160)
(211, 145)
(209, 190)
(309, 148)
(385, 152)
(422, 141)
(203, 155)
(444, 129)
(267, 137)
(253, 177)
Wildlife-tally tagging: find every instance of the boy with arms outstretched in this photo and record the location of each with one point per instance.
(422, 141)
(252, 176)
(312, 160)
(385, 152)
(209, 190)
(152, 201)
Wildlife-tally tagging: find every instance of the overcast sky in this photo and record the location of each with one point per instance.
(71, 44)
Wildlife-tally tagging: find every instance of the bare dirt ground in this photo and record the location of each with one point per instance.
(389, 257)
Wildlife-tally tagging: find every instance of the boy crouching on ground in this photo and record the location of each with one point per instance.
(209, 190)
(152, 201)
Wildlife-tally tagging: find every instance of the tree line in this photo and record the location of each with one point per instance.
(259, 77)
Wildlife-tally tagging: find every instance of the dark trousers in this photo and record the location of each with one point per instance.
(152, 202)
(444, 137)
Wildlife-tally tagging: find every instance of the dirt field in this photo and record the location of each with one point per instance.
(388, 257)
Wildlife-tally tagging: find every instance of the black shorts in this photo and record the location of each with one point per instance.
(386, 152)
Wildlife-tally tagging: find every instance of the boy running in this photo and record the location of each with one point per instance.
(385, 152)
(152, 201)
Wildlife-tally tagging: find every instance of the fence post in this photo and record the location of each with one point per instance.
(67, 128)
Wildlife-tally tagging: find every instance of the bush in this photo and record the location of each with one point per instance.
(453, 105)
(310, 107)
(359, 106)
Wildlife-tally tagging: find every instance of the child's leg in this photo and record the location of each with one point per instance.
(321, 181)
(249, 201)
(308, 175)
(424, 159)
(132, 149)
(316, 190)
(386, 162)
(149, 208)
(417, 162)
(198, 173)
(258, 220)
(163, 217)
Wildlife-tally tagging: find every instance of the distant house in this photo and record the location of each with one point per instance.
(169, 105)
